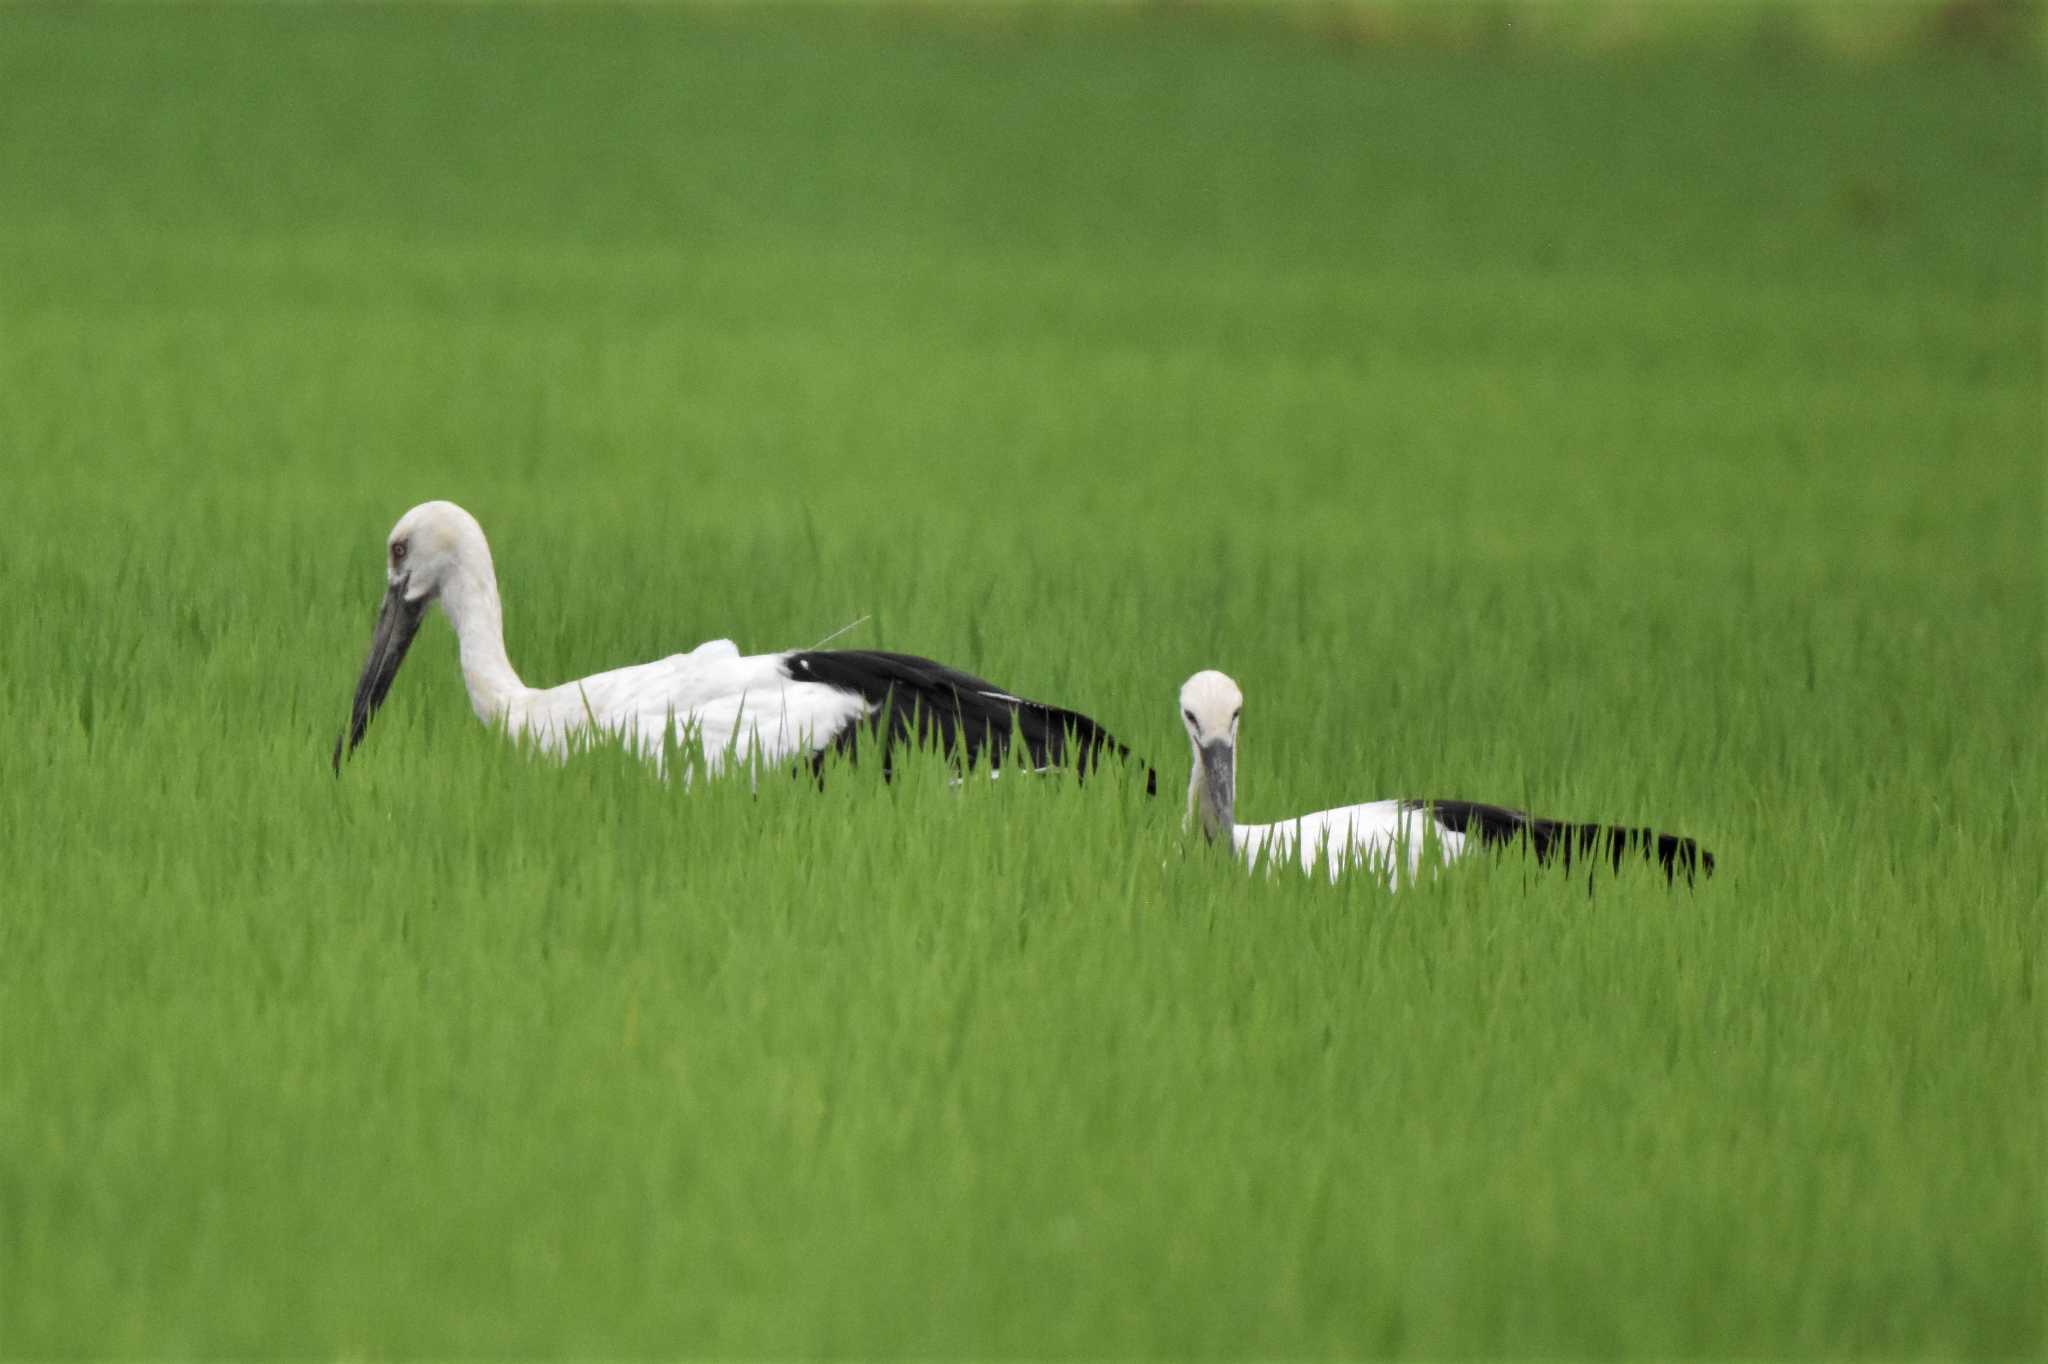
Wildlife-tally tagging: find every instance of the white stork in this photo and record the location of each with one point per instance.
(759, 708)
(1387, 839)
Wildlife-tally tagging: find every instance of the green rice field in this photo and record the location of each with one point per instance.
(1652, 434)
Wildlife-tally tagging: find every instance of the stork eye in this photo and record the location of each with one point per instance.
(1234, 714)
(398, 552)
(1189, 716)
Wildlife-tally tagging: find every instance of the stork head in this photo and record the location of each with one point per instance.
(1210, 704)
(430, 545)
(433, 545)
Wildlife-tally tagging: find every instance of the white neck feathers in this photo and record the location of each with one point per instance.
(469, 597)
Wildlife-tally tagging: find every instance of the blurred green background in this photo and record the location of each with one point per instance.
(1631, 411)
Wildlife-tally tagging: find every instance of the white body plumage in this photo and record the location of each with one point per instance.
(1391, 840)
(742, 708)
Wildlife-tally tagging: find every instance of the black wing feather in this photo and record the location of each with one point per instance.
(1565, 842)
(917, 701)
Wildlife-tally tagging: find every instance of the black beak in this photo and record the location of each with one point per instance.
(1219, 789)
(397, 623)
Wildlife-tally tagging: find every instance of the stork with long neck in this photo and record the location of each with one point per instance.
(437, 553)
(1388, 839)
(796, 704)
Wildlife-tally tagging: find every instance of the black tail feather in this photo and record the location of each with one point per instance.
(1567, 844)
(918, 702)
